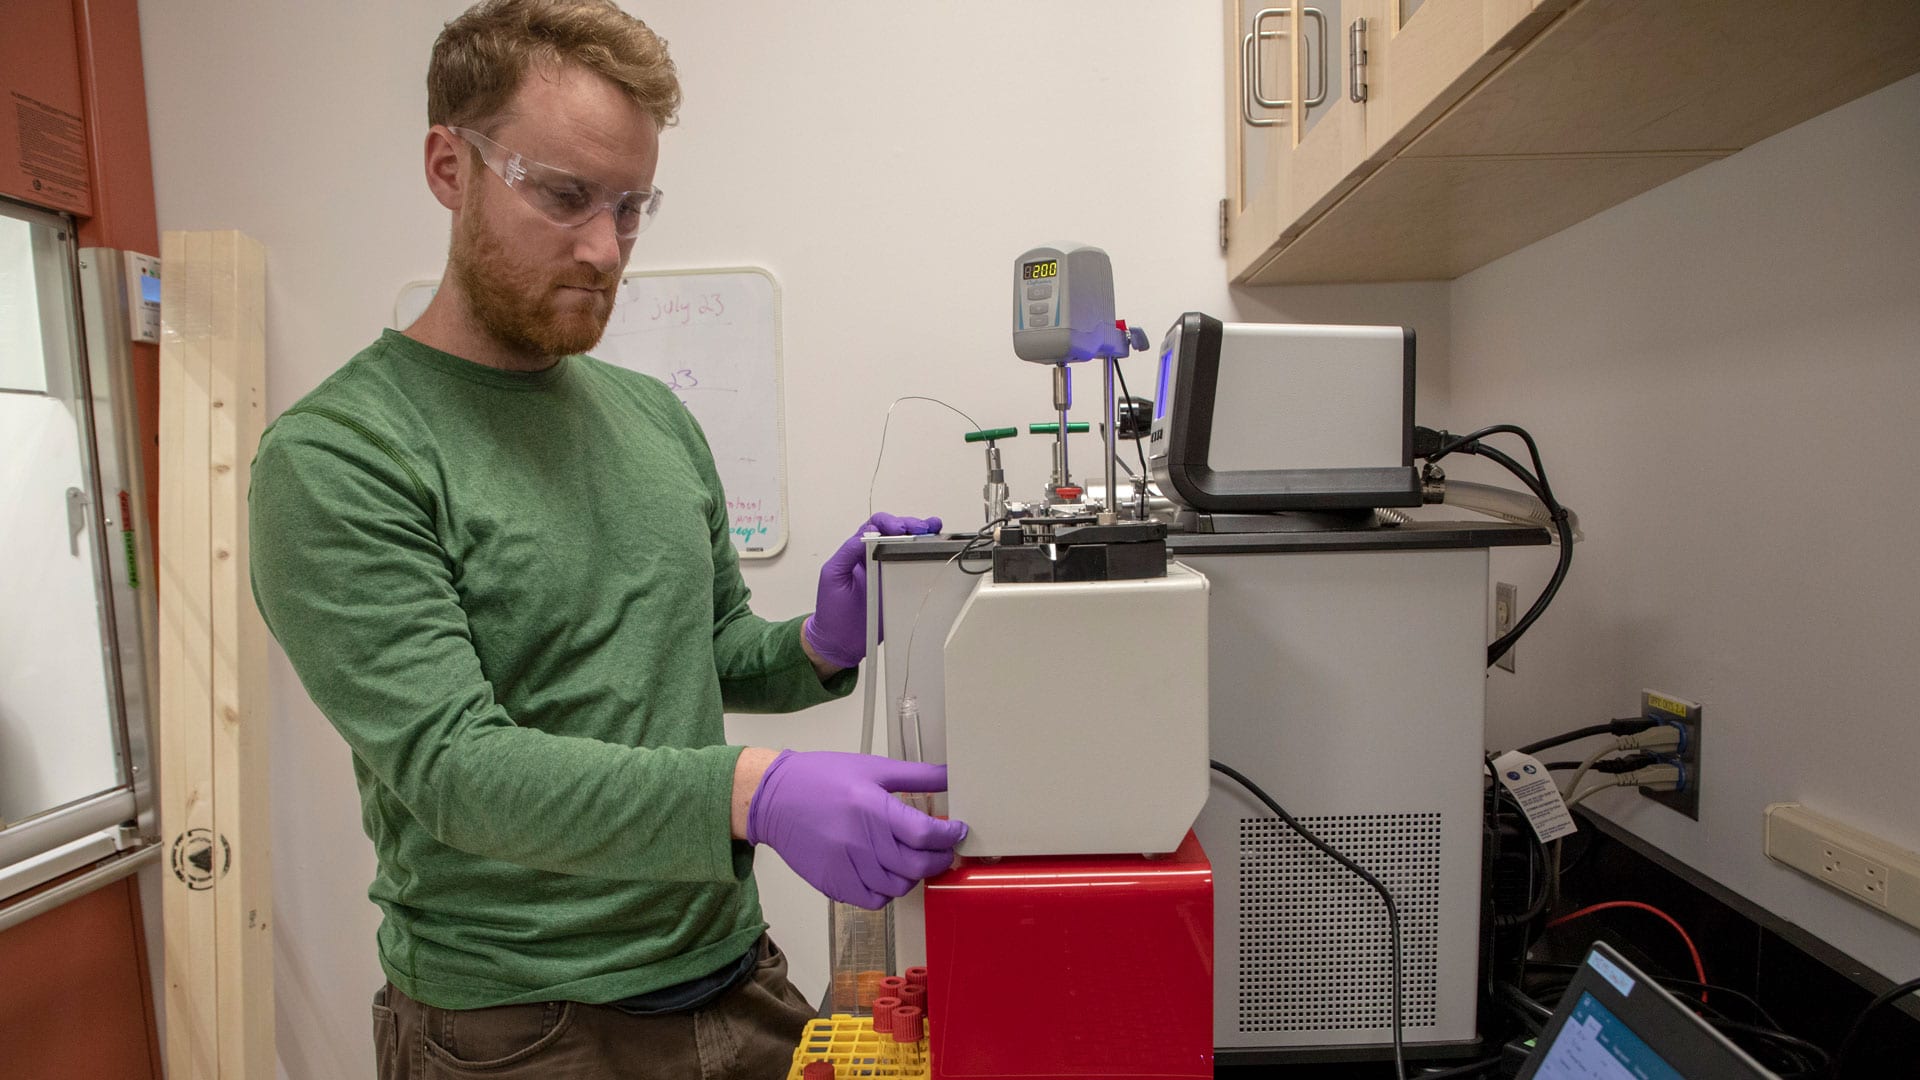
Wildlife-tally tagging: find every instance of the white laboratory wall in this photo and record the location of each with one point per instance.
(1723, 375)
(885, 160)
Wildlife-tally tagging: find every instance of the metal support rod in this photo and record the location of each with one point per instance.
(1111, 513)
(1062, 401)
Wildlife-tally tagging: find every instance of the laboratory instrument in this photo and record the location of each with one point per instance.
(1252, 418)
(1256, 599)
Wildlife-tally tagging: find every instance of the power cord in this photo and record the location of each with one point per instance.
(1393, 911)
(1664, 736)
(1626, 725)
(1126, 393)
(1625, 763)
(1852, 1038)
(1433, 445)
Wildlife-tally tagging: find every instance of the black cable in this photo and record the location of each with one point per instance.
(1461, 1072)
(1860, 1022)
(984, 534)
(1536, 905)
(1451, 444)
(1811, 1059)
(1626, 725)
(1530, 1012)
(1536, 482)
(1128, 394)
(1393, 911)
(1626, 763)
(1558, 514)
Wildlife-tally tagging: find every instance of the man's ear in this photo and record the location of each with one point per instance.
(447, 174)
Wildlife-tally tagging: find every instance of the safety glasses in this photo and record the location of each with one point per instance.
(563, 197)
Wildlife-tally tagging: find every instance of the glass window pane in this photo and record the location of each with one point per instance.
(23, 363)
(59, 728)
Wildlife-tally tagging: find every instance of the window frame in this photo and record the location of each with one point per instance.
(37, 849)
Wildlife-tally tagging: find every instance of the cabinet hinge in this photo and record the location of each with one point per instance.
(1357, 62)
(1223, 224)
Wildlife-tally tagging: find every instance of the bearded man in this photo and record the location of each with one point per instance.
(503, 571)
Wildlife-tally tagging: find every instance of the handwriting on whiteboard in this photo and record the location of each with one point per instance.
(678, 309)
(753, 520)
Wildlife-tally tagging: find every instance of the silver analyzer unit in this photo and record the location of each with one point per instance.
(1256, 418)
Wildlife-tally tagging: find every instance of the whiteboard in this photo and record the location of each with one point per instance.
(713, 337)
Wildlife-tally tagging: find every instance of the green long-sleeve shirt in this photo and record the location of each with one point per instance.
(515, 597)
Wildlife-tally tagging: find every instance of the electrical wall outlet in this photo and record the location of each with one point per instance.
(1655, 705)
(1843, 858)
(1505, 599)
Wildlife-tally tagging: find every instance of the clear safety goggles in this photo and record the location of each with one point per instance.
(562, 197)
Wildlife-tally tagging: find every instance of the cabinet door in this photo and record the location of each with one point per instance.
(1328, 147)
(1429, 53)
(1259, 69)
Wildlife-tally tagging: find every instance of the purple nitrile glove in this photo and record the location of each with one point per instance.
(833, 818)
(837, 631)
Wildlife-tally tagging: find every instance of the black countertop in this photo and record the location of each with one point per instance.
(1413, 536)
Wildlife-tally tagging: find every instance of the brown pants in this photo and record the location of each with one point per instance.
(748, 1033)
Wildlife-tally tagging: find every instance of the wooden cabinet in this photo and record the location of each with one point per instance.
(1488, 124)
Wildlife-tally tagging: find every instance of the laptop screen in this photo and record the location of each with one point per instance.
(1614, 1023)
(1594, 1044)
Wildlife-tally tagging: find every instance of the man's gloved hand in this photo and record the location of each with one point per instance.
(832, 818)
(837, 630)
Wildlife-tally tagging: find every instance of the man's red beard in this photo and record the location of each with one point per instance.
(521, 308)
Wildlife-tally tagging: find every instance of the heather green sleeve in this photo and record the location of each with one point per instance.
(353, 583)
(763, 668)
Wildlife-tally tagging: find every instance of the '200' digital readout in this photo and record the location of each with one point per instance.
(1035, 270)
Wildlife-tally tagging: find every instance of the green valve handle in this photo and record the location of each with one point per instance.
(1075, 427)
(992, 433)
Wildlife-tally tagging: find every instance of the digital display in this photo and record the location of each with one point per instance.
(1036, 271)
(1594, 1045)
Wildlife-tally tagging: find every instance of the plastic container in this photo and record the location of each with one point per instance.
(862, 954)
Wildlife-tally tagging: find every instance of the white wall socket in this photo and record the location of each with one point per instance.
(1863, 866)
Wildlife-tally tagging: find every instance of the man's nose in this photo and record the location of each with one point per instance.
(599, 245)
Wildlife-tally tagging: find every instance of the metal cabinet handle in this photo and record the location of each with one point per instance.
(1251, 93)
(76, 518)
(1318, 97)
(1357, 62)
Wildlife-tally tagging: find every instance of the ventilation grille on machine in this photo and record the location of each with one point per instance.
(1313, 936)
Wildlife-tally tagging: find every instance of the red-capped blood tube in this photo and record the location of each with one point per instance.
(817, 1070)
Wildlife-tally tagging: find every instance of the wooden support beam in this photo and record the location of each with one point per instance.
(217, 891)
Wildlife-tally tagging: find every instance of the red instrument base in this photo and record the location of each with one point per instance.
(1057, 967)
